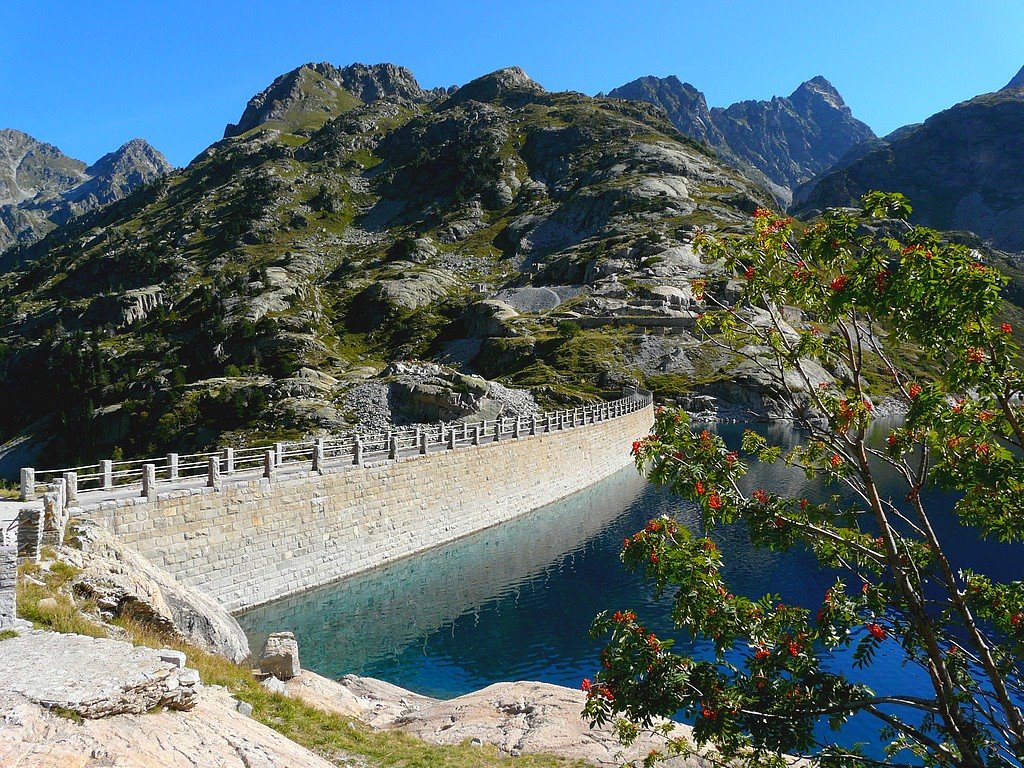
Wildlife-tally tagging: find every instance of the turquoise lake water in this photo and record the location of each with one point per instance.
(515, 602)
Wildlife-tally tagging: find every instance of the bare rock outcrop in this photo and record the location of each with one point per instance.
(214, 733)
(123, 583)
(93, 677)
(518, 718)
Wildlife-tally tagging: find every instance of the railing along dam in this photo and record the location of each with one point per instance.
(251, 525)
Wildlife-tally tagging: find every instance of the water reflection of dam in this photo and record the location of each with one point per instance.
(344, 626)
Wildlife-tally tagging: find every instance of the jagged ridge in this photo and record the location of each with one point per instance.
(962, 168)
(786, 141)
(42, 188)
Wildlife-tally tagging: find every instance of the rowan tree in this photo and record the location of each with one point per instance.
(867, 282)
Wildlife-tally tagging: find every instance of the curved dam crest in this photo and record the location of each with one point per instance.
(258, 540)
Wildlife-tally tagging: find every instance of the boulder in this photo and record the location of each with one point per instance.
(490, 317)
(124, 583)
(669, 296)
(274, 685)
(426, 392)
(280, 656)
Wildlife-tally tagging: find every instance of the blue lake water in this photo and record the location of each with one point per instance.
(515, 602)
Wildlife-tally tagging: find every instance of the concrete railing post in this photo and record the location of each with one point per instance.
(30, 534)
(422, 441)
(451, 439)
(533, 424)
(71, 484)
(278, 454)
(515, 427)
(213, 472)
(498, 425)
(268, 464)
(393, 448)
(476, 435)
(172, 466)
(107, 471)
(357, 451)
(318, 455)
(28, 484)
(149, 481)
(229, 461)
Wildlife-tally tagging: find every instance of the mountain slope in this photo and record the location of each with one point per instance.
(788, 140)
(963, 168)
(263, 290)
(1016, 82)
(41, 187)
(307, 97)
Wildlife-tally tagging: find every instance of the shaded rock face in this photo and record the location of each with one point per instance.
(490, 317)
(42, 188)
(788, 140)
(1017, 81)
(963, 168)
(123, 583)
(323, 87)
(383, 299)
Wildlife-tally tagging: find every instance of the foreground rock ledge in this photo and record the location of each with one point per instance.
(518, 718)
(93, 677)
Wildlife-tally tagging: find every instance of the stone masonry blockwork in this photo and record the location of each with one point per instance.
(257, 540)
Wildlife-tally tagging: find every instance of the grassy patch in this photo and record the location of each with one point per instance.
(669, 384)
(7, 634)
(41, 601)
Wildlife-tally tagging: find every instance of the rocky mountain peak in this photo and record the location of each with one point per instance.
(819, 90)
(135, 156)
(1016, 82)
(29, 167)
(41, 187)
(780, 143)
(381, 81)
(963, 168)
(310, 95)
(686, 106)
(510, 86)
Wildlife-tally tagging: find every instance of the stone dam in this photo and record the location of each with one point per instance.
(248, 528)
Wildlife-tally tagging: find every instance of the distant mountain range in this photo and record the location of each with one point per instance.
(782, 143)
(42, 188)
(351, 220)
(963, 168)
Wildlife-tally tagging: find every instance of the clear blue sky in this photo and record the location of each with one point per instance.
(88, 76)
